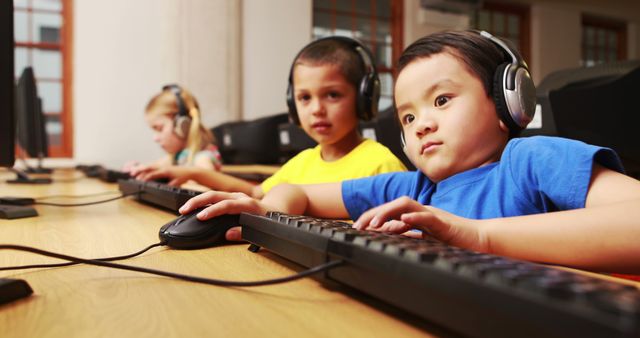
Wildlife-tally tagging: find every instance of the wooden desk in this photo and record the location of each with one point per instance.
(90, 301)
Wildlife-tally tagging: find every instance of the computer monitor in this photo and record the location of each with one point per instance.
(250, 142)
(31, 133)
(7, 124)
(596, 105)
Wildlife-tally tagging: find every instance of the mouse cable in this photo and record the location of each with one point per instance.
(108, 259)
(202, 280)
(88, 203)
(110, 192)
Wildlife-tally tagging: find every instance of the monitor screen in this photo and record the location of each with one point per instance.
(30, 130)
(596, 105)
(6, 85)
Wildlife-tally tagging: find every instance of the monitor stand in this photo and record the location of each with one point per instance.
(36, 170)
(22, 178)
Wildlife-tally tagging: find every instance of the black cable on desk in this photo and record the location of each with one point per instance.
(84, 204)
(202, 280)
(77, 196)
(108, 259)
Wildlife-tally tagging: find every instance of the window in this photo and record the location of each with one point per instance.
(510, 22)
(602, 41)
(42, 29)
(376, 23)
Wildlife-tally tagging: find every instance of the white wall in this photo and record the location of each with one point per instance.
(124, 51)
(273, 33)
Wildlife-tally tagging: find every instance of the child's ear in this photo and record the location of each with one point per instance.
(503, 126)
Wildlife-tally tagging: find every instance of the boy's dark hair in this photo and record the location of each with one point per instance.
(335, 52)
(479, 54)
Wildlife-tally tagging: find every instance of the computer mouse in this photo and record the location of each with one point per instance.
(188, 232)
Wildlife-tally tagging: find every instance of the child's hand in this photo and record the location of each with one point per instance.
(127, 167)
(404, 214)
(176, 175)
(139, 168)
(218, 203)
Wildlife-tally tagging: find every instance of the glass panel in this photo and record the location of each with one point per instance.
(386, 84)
(383, 31)
(319, 32)
(589, 37)
(383, 8)
(51, 94)
(21, 60)
(325, 4)
(322, 19)
(513, 25)
(343, 25)
(613, 55)
(385, 102)
(363, 28)
(383, 55)
(47, 63)
(483, 20)
(590, 55)
(613, 39)
(600, 34)
(343, 6)
(45, 23)
(601, 54)
(51, 5)
(363, 7)
(498, 23)
(54, 129)
(20, 26)
(19, 3)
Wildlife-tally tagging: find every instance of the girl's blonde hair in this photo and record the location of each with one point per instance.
(166, 103)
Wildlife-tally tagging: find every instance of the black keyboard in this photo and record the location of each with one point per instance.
(157, 194)
(474, 294)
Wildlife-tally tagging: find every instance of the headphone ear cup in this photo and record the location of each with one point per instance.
(499, 98)
(368, 97)
(182, 124)
(291, 104)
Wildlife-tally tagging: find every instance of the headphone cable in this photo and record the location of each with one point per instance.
(77, 196)
(88, 203)
(209, 281)
(108, 259)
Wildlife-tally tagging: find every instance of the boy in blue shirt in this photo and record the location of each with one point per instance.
(461, 98)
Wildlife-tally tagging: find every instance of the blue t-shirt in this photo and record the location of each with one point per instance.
(534, 175)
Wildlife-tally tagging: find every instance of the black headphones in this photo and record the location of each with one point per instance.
(368, 92)
(182, 120)
(514, 92)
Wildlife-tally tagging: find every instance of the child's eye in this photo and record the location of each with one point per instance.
(407, 118)
(333, 95)
(304, 98)
(441, 100)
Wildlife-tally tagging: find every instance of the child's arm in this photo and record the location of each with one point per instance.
(320, 200)
(210, 178)
(602, 236)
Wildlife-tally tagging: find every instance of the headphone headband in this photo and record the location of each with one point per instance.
(182, 120)
(177, 91)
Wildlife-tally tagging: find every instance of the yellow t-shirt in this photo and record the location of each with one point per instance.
(367, 159)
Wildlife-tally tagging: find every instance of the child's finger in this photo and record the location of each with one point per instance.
(201, 200)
